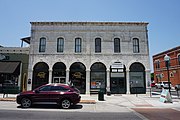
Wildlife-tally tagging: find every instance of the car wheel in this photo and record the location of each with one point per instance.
(26, 103)
(65, 103)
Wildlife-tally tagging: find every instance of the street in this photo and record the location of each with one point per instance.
(11, 111)
(125, 107)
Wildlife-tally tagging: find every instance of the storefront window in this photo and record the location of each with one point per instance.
(40, 74)
(137, 78)
(98, 76)
(78, 76)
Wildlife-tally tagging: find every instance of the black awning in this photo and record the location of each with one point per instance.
(10, 67)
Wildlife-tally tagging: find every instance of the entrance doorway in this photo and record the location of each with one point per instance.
(59, 73)
(59, 80)
(118, 85)
(118, 78)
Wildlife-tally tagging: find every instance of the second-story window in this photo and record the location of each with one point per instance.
(60, 45)
(157, 64)
(179, 59)
(98, 45)
(78, 45)
(117, 48)
(135, 45)
(42, 44)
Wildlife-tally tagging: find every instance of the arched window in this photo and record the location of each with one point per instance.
(137, 78)
(171, 74)
(98, 77)
(42, 44)
(117, 47)
(60, 44)
(135, 45)
(77, 76)
(40, 74)
(98, 45)
(78, 43)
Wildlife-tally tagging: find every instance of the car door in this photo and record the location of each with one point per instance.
(57, 93)
(41, 94)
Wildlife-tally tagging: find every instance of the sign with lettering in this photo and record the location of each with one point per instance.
(2, 56)
(165, 96)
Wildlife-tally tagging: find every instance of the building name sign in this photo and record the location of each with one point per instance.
(117, 67)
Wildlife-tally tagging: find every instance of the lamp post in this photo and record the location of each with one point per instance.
(167, 61)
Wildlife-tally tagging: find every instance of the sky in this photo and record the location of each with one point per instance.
(163, 17)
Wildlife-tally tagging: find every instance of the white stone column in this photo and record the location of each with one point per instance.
(20, 76)
(50, 76)
(88, 82)
(127, 82)
(67, 76)
(108, 80)
(148, 78)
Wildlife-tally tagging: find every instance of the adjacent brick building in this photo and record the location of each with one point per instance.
(160, 69)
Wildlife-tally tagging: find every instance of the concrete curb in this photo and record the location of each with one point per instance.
(82, 101)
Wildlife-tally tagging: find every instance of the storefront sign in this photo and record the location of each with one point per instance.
(165, 96)
(2, 56)
(77, 74)
(41, 74)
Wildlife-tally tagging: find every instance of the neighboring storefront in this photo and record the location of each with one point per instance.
(107, 56)
(14, 67)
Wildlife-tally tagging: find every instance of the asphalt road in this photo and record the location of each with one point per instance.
(159, 113)
(59, 115)
(98, 111)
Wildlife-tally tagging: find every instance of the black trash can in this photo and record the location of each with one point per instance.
(101, 95)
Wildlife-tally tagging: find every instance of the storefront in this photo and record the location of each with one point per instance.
(78, 76)
(40, 75)
(13, 67)
(118, 78)
(59, 73)
(98, 77)
(9, 73)
(137, 78)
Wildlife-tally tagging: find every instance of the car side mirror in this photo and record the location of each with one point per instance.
(36, 91)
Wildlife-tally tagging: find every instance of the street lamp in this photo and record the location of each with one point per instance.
(167, 61)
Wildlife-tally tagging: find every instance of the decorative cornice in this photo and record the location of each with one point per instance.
(90, 23)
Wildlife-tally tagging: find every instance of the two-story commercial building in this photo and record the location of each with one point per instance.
(111, 56)
(161, 73)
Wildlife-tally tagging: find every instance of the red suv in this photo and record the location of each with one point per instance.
(61, 94)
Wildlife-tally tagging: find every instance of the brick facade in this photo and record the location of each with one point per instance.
(160, 69)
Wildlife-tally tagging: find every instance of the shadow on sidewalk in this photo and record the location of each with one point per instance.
(53, 106)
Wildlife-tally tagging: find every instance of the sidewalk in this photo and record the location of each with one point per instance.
(124, 100)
